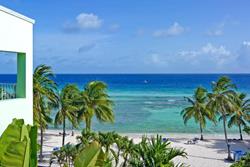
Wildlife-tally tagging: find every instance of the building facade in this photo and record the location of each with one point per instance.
(16, 36)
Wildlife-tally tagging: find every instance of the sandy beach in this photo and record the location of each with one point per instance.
(207, 153)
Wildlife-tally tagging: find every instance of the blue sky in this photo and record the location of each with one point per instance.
(150, 36)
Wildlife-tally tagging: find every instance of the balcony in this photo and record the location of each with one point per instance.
(12, 75)
(7, 91)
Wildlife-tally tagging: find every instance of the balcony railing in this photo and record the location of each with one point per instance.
(7, 91)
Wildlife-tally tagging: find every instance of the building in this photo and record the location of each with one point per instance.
(16, 36)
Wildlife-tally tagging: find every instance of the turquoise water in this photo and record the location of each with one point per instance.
(149, 103)
(152, 103)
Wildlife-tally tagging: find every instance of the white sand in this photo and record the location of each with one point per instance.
(210, 152)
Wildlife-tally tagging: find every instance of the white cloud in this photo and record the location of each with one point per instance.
(157, 59)
(209, 53)
(160, 59)
(88, 21)
(246, 43)
(218, 58)
(218, 30)
(173, 30)
(211, 49)
(207, 58)
(83, 21)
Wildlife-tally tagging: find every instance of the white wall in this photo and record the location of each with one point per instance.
(16, 35)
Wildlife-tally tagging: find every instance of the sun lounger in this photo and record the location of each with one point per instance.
(190, 142)
(56, 148)
(196, 139)
(238, 154)
(164, 139)
(60, 134)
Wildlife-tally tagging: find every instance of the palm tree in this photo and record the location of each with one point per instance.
(120, 144)
(247, 130)
(242, 115)
(85, 139)
(45, 98)
(95, 101)
(198, 109)
(128, 150)
(155, 152)
(2, 93)
(68, 108)
(65, 156)
(222, 101)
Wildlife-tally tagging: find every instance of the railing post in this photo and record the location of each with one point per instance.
(7, 91)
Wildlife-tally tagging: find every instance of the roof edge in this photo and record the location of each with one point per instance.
(18, 15)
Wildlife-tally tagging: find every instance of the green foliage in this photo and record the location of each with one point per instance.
(33, 145)
(86, 138)
(18, 145)
(68, 107)
(105, 140)
(155, 152)
(45, 98)
(149, 152)
(247, 130)
(111, 149)
(91, 156)
(66, 155)
(95, 102)
(1, 93)
(44, 95)
(241, 116)
(198, 109)
(223, 102)
(5, 94)
(244, 162)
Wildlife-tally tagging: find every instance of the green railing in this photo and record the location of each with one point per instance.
(7, 91)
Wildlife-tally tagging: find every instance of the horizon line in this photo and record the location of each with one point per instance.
(141, 73)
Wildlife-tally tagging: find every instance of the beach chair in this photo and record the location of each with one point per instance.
(238, 154)
(164, 139)
(56, 148)
(190, 142)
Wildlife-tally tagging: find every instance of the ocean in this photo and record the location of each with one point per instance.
(149, 102)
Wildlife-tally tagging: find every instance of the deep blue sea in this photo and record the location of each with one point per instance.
(149, 102)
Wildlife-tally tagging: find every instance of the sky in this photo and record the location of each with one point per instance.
(147, 36)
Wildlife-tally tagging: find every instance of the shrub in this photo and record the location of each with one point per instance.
(244, 162)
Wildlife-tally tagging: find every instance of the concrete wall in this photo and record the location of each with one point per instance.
(16, 35)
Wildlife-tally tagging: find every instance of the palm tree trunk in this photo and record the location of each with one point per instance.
(41, 137)
(63, 137)
(72, 130)
(118, 156)
(41, 144)
(88, 124)
(228, 146)
(125, 161)
(201, 130)
(241, 137)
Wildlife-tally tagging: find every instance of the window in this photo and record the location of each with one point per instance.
(12, 75)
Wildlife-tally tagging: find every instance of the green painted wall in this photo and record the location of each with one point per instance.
(21, 75)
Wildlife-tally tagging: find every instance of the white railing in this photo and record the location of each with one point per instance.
(7, 91)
